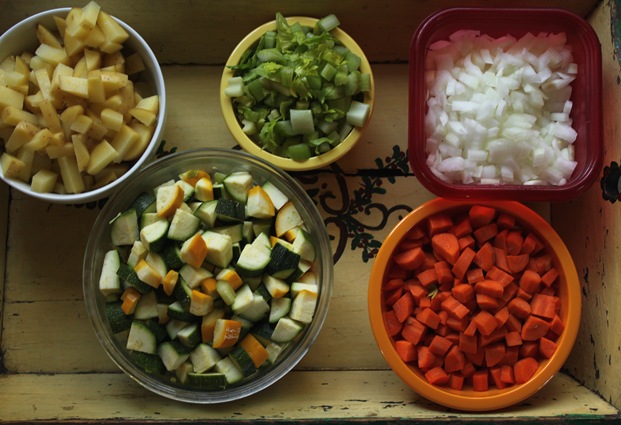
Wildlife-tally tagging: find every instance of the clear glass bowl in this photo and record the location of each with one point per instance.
(158, 172)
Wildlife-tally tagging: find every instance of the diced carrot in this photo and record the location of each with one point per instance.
(463, 227)
(499, 275)
(406, 350)
(410, 259)
(471, 329)
(454, 360)
(495, 372)
(505, 221)
(519, 308)
(485, 257)
(446, 247)
(130, 298)
(543, 305)
(547, 347)
(517, 263)
(466, 242)
(468, 343)
(454, 307)
(543, 263)
(424, 302)
(513, 324)
(393, 325)
(425, 358)
(442, 330)
(428, 317)
(502, 315)
(486, 323)
(475, 275)
(514, 242)
(477, 358)
(255, 349)
(529, 349)
(439, 223)
(417, 291)
(430, 260)
(396, 272)
(521, 293)
(497, 335)
(512, 354)
(500, 240)
(439, 345)
(416, 233)
(468, 369)
(481, 215)
(513, 339)
(407, 244)
(534, 328)
(530, 281)
(427, 277)
(463, 292)
(392, 296)
(556, 325)
(391, 284)
(501, 259)
(443, 273)
(404, 307)
(413, 330)
(549, 277)
(532, 245)
(485, 302)
(456, 381)
(459, 325)
(438, 299)
(489, 287)
(485, 233)
(480, 380)
(494, 353)
(524, 369)
(437, 376)
(443, 315)
(506, 374)
(462, 264)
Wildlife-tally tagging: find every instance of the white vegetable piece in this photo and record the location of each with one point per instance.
(499, 109)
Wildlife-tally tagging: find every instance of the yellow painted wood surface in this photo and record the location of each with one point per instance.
(55, 368)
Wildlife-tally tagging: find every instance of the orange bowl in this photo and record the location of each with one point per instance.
(467, 399)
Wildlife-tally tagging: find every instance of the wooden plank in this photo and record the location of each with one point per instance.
(188, 32)
(591, 228)
(299, 396)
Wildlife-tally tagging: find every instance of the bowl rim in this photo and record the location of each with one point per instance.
(93, 300)
(158, 85)
(578, 183)
(470, 400)
(249, 145)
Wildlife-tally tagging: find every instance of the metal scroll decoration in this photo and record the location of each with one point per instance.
(352, 215)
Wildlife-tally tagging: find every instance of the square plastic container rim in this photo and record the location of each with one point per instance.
(514, 21)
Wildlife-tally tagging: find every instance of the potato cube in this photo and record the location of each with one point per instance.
(80, 150)
(11, 166)
(98, 130)
(134, 64)
(81, 124)
(73, 45)
(10, 115)
(88, 17)
(43, 82)
(53, 55)
(10, 97)
(46, 36)
(50, 116)
(56, 151)
(95, 38)
(74, 28)
(72, 180)
(113, 31)
(23, 132)
(43, 181)
(112, 119)
(123, 142)
(75, 86)
(144, 137)
(93, 59)
(113, 81)
(142, 115)
(80, 70)
(151, 103)
(102, 155)
(40, 140)
(26, 156)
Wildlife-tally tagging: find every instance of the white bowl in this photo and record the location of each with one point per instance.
(22, 37)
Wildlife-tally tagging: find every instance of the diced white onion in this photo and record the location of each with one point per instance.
(499, 109)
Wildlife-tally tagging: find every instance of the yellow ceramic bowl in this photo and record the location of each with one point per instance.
(568, 292)
(249, 145)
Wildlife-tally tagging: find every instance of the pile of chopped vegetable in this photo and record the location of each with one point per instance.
(472, 300)
(299, 92)
(499, 109)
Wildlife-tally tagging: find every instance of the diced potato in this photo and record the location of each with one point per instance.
(124, 141)
(134, 64)
(12, 116)
(73, 45)
(22, 134)
(112, 119)
(43, 82)
(26, 156)
(40, 140)
(96, 91)
(11, 166)
(75, 86)
(144, 134)
(80, 149)
(56, 151)
(72, 179)
(80, 70)
(68, 116)
(50, 116)
(112, 29)
(88, 17)
(45, 36)
(151, 103)
(113, 81)
(93, 59)
(74, 28)
(102, 155)
(82, 124)
(43, 181)
(142, 115)
(53, 55)
(95, 38)
(10, 97)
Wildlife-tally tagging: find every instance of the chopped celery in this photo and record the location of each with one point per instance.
(297, 86)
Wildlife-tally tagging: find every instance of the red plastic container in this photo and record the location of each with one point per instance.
(586, 96)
